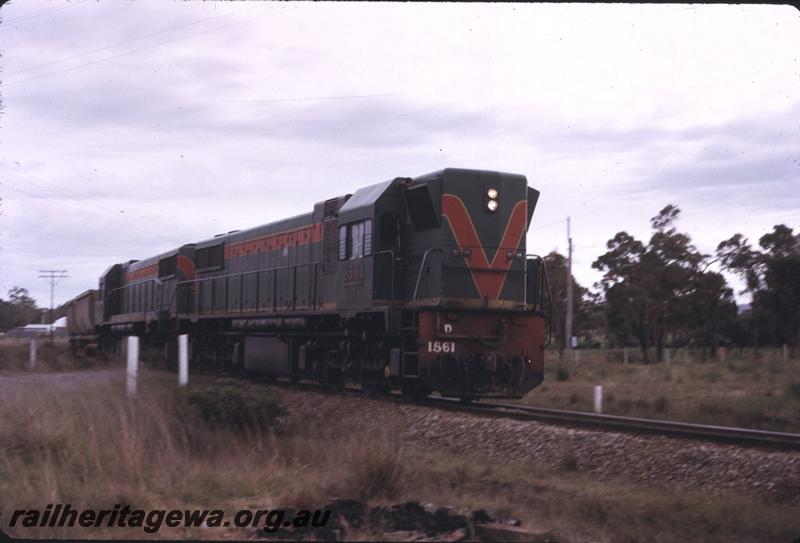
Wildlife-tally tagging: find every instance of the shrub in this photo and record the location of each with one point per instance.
(377, 471)
(660, 404)
(233, 405)
(793, 390)
(562, 374)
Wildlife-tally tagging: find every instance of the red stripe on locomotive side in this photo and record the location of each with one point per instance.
(149, 271)
(186, 266)
(487, 281)
(271, 242)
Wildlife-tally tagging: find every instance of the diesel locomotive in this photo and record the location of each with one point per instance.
(419, 284)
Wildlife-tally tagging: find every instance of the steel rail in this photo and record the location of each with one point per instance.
(688, 430)
(741, 436)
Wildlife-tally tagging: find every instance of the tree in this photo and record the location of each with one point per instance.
(660, 293)
(772, 278)
(20, 309)
(736, 255)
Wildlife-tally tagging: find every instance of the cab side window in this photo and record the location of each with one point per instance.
(355, 240)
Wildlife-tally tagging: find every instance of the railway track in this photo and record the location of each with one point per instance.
(739, 436)
(688, 430)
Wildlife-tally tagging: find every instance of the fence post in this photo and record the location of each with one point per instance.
(133, 364)
(667, 356)
(183, 360)
(722, 354)
(33, 353)
(785, 353)
(598, 398)
(625, 355)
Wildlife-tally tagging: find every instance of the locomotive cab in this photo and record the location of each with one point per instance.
(445, 255)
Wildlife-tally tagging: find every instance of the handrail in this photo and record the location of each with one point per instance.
(165, 306)
(549, 297)
(241, 274)
(278, 268)
(421, 267)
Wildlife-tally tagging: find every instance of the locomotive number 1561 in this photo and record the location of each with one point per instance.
(441, 347)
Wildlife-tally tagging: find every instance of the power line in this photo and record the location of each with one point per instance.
(34, 14)
(104, 210)
(52, 275)
(90, 63)
(568, 320)
(120, 43)
(352, 97)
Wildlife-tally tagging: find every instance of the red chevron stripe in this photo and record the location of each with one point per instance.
(186, 266)
(486, 276)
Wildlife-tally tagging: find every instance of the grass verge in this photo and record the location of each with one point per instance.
(231, 445)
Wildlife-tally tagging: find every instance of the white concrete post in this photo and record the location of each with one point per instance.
(785, 353)
(625, 354)
(666, 356)
(598, 398)
(133, 364)
(183, 360)
(33, 353)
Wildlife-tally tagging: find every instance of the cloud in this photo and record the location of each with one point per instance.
(193, 119)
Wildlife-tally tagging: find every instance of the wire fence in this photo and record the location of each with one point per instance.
(682, 355)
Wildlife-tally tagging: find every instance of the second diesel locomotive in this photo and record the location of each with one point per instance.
(422, 284)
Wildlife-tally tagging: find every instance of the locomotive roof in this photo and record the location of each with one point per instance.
(298, 221)
(150, 260)
(362, 202)
(440, 173)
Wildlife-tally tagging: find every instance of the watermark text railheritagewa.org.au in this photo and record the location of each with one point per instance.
(151, 521)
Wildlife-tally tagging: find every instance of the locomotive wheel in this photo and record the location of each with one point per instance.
(375, 388)
(415, 392)
(334, 378)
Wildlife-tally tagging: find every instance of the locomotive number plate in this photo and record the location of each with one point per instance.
(441, 346)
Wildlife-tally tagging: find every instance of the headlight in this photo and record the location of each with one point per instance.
(491, 193)
(455, 253)
(492, 205)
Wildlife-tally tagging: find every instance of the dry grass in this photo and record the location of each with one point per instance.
(737, 392)
(205, 449)
(229, 445)
(579, 508)
(51, 356)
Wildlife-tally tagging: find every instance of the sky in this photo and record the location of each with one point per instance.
(128, 129)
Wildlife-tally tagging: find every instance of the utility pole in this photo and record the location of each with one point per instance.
(52, 275)
(568, 320)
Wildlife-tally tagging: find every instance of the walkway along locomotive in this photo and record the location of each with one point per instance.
(421, 284)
